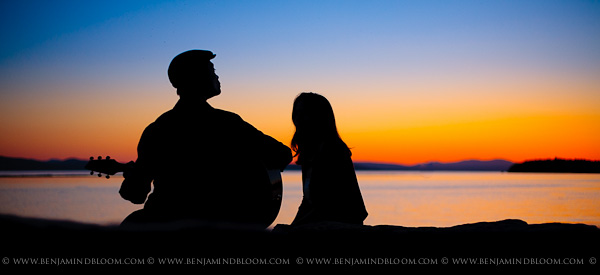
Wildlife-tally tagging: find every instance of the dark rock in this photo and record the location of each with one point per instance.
(506, 239)
(504, 226)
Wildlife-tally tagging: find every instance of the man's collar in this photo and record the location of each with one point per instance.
(187, 104)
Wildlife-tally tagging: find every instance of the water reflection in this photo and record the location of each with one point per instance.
(397, 198)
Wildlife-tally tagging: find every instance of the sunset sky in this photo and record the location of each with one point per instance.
(410, 81)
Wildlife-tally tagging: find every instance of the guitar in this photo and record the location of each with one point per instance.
(109, 167)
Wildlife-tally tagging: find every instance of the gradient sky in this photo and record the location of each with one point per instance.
(410, 81)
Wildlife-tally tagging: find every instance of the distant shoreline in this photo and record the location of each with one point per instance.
(21, 164)
(43, 173)
(557, 165)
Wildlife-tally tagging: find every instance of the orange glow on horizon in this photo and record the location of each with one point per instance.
(389, 130)
(515, 139)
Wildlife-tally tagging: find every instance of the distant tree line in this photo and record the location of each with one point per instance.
(557, 165)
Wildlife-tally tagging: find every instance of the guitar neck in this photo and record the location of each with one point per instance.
(106, 166)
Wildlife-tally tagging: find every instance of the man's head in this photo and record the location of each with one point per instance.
(193, 74)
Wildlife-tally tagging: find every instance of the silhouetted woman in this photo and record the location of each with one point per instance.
(330, 187)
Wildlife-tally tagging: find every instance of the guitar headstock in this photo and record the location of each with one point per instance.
(107, 166)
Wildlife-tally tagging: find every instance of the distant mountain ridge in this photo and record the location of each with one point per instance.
(467, 165)
(21, 164)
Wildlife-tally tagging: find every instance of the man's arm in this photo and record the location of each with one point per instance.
(138, 177)
(273, 154)
(136, 185)
(277, 155)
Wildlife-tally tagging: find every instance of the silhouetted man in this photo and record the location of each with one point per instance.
(205, 163)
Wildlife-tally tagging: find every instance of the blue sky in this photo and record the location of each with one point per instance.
(333, 35)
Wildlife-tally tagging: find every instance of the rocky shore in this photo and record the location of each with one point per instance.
(25, 236)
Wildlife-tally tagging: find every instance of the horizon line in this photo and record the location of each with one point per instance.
(355, 161)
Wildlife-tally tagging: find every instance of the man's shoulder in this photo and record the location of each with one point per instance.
(227, 114)
(166, 116)
(169, 117)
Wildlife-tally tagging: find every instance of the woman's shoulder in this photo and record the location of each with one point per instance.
(335, 148)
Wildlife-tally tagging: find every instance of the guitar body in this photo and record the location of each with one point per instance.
(251, 195)
(276, 195)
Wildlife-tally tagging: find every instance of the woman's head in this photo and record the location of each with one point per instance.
(313, 117)
(312, 113)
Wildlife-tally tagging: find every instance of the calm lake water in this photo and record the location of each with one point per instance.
(396, 198)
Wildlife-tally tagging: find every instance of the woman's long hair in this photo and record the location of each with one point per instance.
(313, 117)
